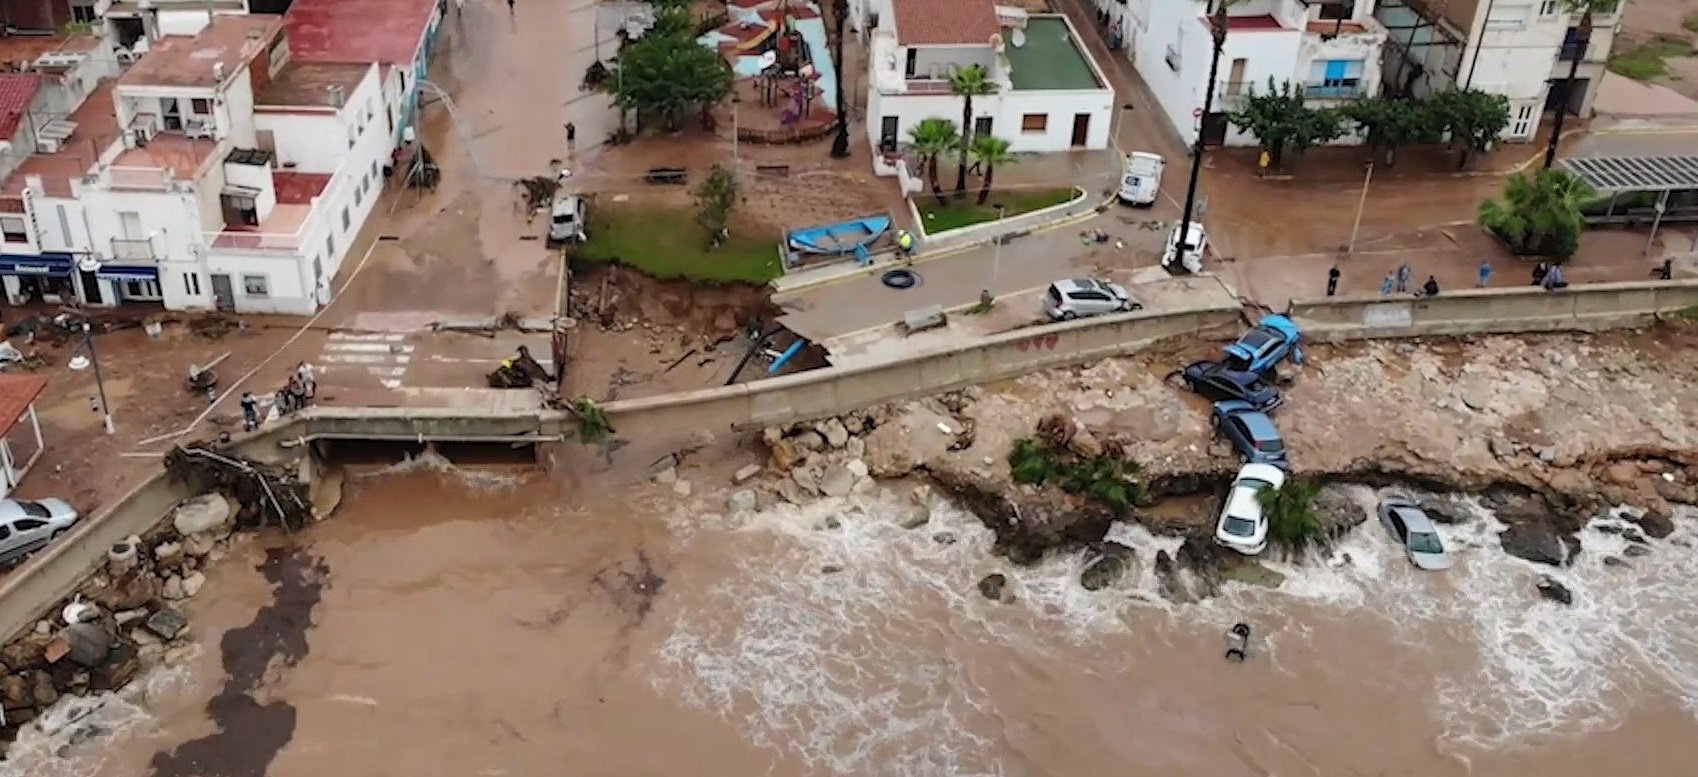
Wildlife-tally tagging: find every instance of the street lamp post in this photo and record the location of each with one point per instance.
(840, 132)
(996, 261)
(1217, 31)
(1361, 204)
(80, 362)
(1582, 41)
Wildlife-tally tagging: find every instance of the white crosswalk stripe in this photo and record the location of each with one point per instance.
(383, 355)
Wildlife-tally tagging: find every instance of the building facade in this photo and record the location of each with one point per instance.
(1331, 50)
(214, 173)
(1049, 95)
(1521, 49)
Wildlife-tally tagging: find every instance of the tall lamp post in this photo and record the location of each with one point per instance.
(1582, 41)
(840, 141)
(80, 362)
(1217, 31)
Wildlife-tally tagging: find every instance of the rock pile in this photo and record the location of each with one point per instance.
(123, 618)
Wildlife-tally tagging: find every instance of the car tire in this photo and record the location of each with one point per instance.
(1136, 306)
(57, 533)
(1068, 315)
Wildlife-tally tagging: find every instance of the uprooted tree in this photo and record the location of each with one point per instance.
(264, 494)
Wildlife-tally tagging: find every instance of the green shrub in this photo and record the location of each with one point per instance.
(1108, 480)
(1030, 462)
(1291, 513)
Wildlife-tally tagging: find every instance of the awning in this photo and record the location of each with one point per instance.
(1612, 174)
(127, 272)
(55, 265)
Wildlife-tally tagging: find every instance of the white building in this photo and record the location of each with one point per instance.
(1331, 50)
(1521, 49)
(214, 172)
(1049, 96)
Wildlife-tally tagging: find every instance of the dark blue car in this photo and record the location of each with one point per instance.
(1218, 383)
(1251, 433)
(1265, 345)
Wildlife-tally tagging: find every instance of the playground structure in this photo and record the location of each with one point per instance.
(858, 237)
(778, 50)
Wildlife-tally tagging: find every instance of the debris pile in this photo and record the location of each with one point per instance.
(265, 495)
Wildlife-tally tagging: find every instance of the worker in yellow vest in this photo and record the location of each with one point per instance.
(905, 241)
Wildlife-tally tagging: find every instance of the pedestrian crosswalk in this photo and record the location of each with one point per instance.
(384, 356)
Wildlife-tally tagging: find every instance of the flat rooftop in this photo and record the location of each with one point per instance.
(133, 7)
(298, 188)
(1050, 58)
(181, 155)
(23, 50)
(386, 31)
(179, 60)
(304, 84)
(97, 128)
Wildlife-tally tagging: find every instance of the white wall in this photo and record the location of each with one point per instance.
(186, 22)
(284, 292)
(315, 139)
(1060, 106)
(171, 220)
(940, 61)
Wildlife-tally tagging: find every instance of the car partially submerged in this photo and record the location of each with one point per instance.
(568, 220)
(1217, 382)
(1263, 346)
(1243, 524)
(1412, 529)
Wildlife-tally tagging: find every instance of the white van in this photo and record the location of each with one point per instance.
(1140, 183)
(568, 220)
(1186, 257)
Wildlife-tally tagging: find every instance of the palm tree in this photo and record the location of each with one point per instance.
(1577, 50)
(967, 83)
(931, 139)
(1291, 513)
(992, 152)
(840, 141)
(1539, 214)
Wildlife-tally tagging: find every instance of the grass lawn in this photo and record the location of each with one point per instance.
(667, 244)
(966, 211)
(1643, 63)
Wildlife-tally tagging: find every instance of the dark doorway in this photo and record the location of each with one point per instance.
(1081, 129)
(1214, 129)
(887, 134)
(91, 288)
(223, 293)
(982, 126)
(1576, 97)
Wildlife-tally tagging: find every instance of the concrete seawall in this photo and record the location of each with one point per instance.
(53, 574)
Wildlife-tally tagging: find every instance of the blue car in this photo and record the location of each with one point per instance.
(1265, 345)
(1251, 433)
(1214, 382)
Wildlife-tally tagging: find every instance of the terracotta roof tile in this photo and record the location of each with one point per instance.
(17, 91)
(945, 22)
(17, 393)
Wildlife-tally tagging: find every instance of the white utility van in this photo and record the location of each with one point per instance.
(1140, 183)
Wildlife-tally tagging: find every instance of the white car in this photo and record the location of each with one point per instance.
(1140, 181)
(1189, 256)
(1242, 525)
(27, 525)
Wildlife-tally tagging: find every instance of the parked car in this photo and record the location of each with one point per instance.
(1411, 527)
(568, 220)
(1251, 432)
(1218, 383)
(1080, 297)
(26, 525)
(1265, 345)
(1242, 525)
(1140, 180)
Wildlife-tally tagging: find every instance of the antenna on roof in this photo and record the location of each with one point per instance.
(218, 71)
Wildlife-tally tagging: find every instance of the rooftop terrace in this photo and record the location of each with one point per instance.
(97, 128)
(307, 84)
(206, 60)
(1050, 58)
(387, 31)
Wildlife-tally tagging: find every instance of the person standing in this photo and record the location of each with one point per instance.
(571, 136)
(1403, 275)
(309, 379)
(1332, 281)
(1388, 285)
(509, 7)
(1553, 279)
(250, 412)
(1540, 270)
(1431, 287)
(1485, 275)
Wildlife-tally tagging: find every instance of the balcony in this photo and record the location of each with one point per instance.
(135, 250)
(1324, 91)
(925, 86)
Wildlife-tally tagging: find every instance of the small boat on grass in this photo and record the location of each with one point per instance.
(840, 238)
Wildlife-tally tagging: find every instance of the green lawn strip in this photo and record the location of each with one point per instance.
(666, 243)
(1645, 62)
(956, 213)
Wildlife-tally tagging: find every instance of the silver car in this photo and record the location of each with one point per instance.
(26, 526)
(1080, 297)
(1411, 527)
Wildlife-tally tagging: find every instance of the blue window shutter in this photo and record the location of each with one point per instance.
(1335, 69)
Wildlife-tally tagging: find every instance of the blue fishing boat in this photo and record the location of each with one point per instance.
(840, 238)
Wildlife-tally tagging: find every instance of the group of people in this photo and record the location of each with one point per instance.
(1546, 275)
(296, 394)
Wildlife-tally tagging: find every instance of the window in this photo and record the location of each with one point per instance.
(360, 191)
(1172, 57)
(5, 532)
(353, 134)
(1335, 78)
(1034, 122)
(28, 524)
(191, 283)
(330, 245)
(255, 286)
(1549, 7)
(1338, 10)
(374, 168)
(1509, 16)
(240, 209)
(145, 291)
(982, 126)
(34, 509)
(345, 219)
(1573, 47)
(15, 229)
(84, 14)
(201, 106)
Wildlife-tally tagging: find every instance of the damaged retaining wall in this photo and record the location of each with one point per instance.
(1590, 307)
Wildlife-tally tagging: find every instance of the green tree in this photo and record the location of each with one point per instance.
(1474, 119)
(667, 76)
(1539, 214)
(930, 140)
(1391, 123)
(1290, 509)
(716, 196)
(991, 152)
(1281, 120)
(967, 83)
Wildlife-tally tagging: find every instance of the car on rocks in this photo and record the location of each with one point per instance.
(1251, 433)
(1263, 346)
(1081, 297)
(28, 525)
(1412, 529)
(1243, 525)
(1216, 382)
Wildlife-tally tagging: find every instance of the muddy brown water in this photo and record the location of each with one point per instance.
(492, 622)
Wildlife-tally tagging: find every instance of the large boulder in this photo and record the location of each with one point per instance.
(1538, 543)
(994, 587)
(1105, 564)
(1657, 524)
(132, 590)
(1555, 591)
(208, 513)
(1028, 523)
(15, 692)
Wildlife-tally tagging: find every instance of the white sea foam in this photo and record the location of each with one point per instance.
(485, 478)
(72, 738)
